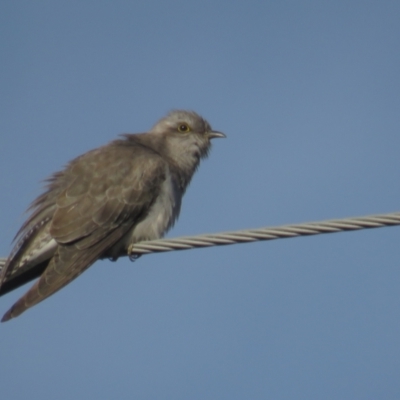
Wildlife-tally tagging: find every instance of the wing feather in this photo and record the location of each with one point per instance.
(88, 207)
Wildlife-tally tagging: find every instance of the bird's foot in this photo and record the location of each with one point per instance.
(131, 254)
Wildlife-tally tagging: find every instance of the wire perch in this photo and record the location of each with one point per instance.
(268, 233)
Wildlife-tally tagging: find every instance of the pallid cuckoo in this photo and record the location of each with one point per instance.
(104, 201)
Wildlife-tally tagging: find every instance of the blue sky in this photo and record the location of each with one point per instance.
(308, 94)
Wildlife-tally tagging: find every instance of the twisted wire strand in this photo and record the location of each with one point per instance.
(268, 233)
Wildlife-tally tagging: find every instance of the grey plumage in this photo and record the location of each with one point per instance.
(102, 202)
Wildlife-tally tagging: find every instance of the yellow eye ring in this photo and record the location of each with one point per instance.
(183, 128)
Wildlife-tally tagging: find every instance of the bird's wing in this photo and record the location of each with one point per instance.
(67, 264)
(109, 190)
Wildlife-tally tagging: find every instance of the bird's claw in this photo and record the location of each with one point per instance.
(131, 254)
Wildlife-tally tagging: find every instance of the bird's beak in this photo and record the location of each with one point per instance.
(215, 134)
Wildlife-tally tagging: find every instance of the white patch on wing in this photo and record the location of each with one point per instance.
(37, 255)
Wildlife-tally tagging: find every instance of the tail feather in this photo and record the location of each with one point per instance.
(67, 264)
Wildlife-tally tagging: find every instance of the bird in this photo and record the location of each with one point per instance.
(103, 202)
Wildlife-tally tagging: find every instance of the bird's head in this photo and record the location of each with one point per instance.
(186, 136)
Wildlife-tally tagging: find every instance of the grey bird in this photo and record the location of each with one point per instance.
(104, 201)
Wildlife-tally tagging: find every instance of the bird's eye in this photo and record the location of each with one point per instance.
(183, 128)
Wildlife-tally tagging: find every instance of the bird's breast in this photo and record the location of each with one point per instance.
(162, 214)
